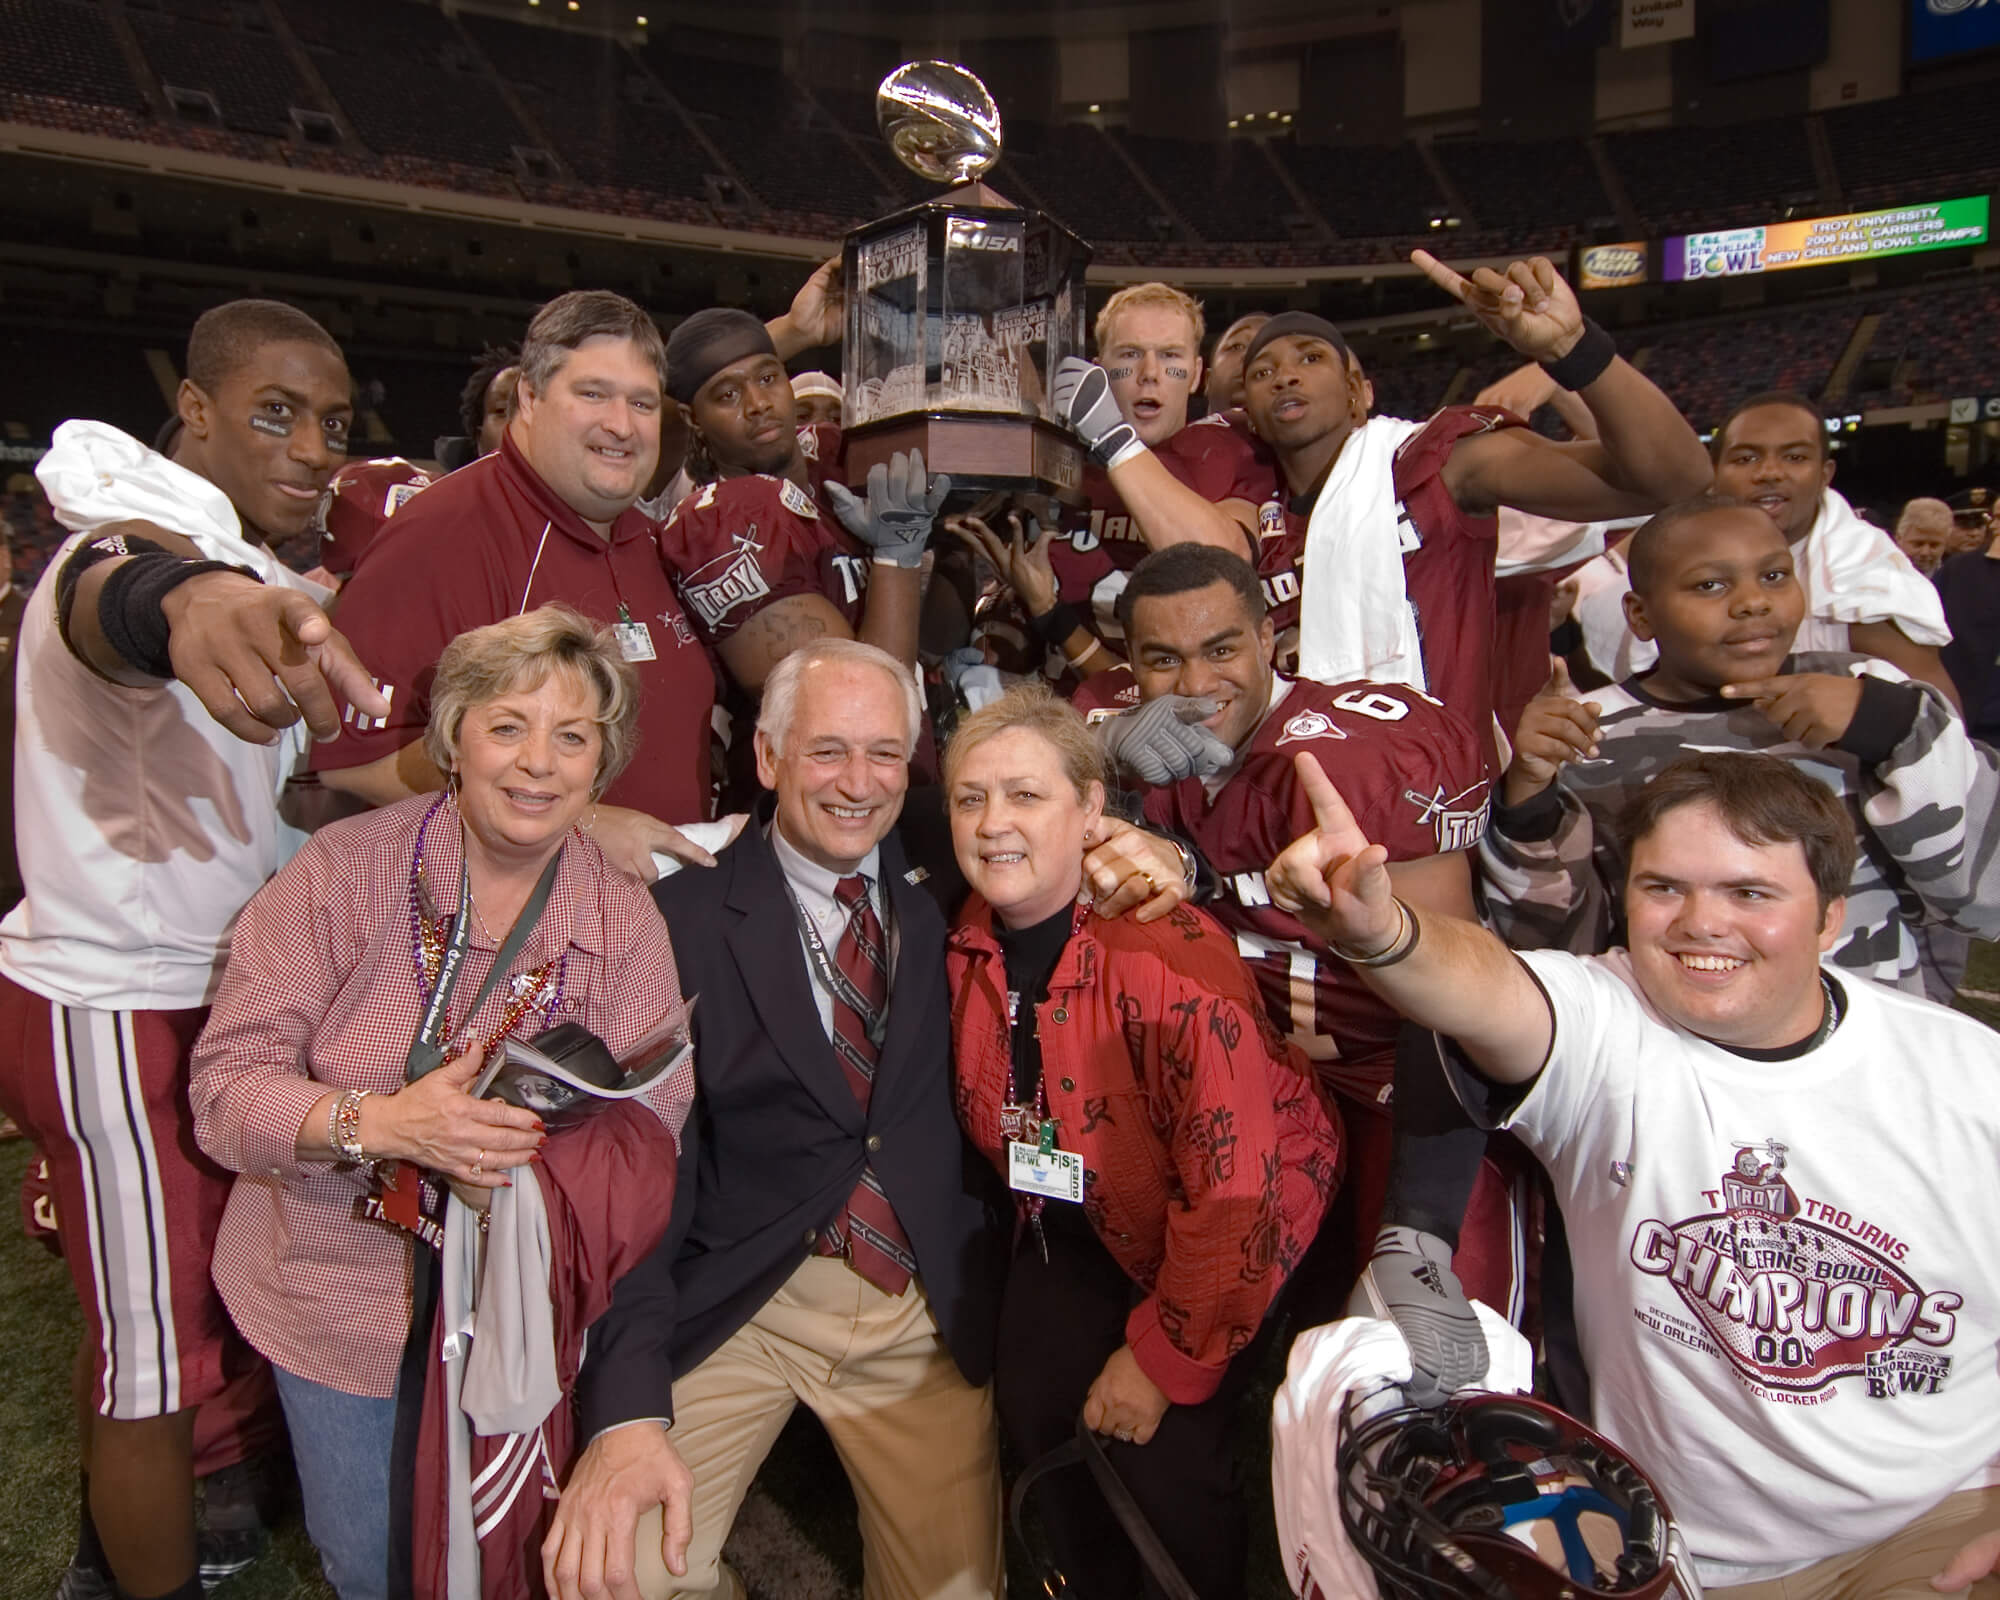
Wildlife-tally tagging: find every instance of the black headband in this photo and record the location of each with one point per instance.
(707, 342)
(1295, 323)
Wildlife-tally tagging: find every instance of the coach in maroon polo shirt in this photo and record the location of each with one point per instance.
(549, 516)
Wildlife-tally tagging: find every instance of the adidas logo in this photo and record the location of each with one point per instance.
(1427, 1273)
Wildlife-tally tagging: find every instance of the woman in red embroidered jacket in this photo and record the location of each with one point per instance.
(1129, 1065)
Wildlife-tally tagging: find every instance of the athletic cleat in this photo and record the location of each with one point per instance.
(223, 1553)
(84, 1583)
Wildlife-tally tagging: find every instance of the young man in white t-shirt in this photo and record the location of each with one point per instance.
(1777, 1182)
(165, 663)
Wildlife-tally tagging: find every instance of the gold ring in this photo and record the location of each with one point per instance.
(479, 1162)
(1151, 882)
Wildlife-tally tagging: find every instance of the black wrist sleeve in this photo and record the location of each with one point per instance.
(1056, 624)
(91, 553)
(1882, 720)
(1533, 821)
(1584, 365)
(128, 606)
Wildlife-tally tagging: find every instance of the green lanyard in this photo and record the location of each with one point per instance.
(427, 1050)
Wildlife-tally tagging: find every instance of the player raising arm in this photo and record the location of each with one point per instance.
(1444, 972)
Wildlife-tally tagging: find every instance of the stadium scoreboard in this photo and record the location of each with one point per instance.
(1824, 241)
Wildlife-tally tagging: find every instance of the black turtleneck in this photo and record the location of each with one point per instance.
(1031, 954)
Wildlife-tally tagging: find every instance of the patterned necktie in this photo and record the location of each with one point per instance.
(867, 1232)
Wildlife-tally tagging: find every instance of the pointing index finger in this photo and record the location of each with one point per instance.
(1443, 276)
(1754, 689)
(1329, 810)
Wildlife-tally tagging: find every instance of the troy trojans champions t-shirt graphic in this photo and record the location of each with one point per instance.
(1795, 1293)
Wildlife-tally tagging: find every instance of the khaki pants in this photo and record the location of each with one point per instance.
(1897, 1568)
(917, 1440)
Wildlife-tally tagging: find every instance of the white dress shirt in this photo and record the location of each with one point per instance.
(812, 885)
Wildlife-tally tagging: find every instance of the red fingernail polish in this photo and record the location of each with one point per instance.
(506, 1183)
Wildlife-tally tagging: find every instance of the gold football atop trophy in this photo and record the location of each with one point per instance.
(940, 121)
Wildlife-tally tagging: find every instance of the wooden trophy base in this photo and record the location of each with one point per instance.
(983, 454)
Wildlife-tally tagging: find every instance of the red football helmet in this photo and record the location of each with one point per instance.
(1500, 1497)
(357, 500)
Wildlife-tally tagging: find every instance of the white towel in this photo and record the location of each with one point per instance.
(1852, 572)
(94, 475)
(1355, 619)
(1353, 1355)
(1528, 543)
(499, 1359)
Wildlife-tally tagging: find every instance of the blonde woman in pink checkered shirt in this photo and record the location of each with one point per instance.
(302, 1078)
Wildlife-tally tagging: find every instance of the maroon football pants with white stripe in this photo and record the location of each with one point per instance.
(104, 1096)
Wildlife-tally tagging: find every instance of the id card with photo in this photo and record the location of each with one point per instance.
(1051, 1174)
(635, 641)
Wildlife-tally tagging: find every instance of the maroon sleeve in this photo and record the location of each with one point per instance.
(1216, 461)
(412, 594)
(1422, 456)
(739, 545)
(1409, 769)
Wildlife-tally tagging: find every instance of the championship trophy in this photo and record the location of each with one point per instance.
(959, 308)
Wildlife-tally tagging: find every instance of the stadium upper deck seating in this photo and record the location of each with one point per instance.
(771, 139)
(407, 82)
(60, 66)
(1532, 187)
(1932, 146)
(1227, 190)
(1695, 177)
(246, 68)
(1366, 190)
(417, 87)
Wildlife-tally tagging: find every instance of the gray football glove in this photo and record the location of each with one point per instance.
(1164, 741)
(895, 520)
(1084, 400)
(1409, 1281)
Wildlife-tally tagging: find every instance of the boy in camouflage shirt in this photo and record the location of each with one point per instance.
(1713, 585)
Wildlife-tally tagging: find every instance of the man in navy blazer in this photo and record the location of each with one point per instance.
(834, 1239)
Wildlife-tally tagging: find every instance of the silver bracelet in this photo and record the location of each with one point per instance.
(1407, 929)
(347, 1125)
(333, 1125)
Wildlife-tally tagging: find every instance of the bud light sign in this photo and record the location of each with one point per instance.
(1611, 266)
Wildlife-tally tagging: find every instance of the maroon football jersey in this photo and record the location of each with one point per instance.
(1105, 694)
(1414, 776)
(1099, 542)
(1221, 459)
(1447, 564)
(356, 501)
(1096, 545)
(738, 545)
